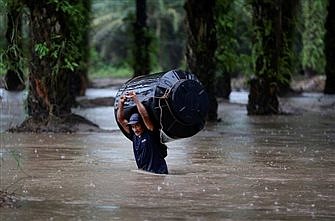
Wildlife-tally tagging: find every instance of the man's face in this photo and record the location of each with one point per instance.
(137, 129)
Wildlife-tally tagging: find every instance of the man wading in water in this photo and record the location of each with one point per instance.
(148, 150)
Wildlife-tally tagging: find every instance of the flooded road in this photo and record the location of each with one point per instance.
(242, 168)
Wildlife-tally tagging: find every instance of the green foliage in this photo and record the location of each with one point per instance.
(233, 34)
(170, 34)
(111, 71)
(5, 61)
(112, 35)
(70, 64)
(65, 7)
(65, 49)
(111, 31)
(2, 25)
(74, 43)
(11, 51)
(99, 69)
(314, 15)
(42, 50)
(285, 65)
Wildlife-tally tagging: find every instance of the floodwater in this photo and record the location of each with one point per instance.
(242, 168)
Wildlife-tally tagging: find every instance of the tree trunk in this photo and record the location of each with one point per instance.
(14, 78)
(142, 41)
(49, 83)
(262, 99)
(268, 41)
(55, 38)
(330, 49)
(223, 85)
(201, 46)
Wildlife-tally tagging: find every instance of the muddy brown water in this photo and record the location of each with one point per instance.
(242, 168)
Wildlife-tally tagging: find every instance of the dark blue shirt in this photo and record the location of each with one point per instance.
(149, 152)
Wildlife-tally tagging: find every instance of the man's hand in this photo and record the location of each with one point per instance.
(122, 100)
(141, 110)
(132, 95)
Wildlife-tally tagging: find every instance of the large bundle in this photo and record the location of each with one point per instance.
(176, 101)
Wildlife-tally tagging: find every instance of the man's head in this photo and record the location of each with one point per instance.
(135, 122)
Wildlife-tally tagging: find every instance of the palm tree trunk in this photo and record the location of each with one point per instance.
(49, 83)
(264, 87)
(141, 63)
(201, 46)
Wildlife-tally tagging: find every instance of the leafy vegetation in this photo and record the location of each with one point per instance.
(234, 37)
(11, 52)
(111, 39)
(313, 16)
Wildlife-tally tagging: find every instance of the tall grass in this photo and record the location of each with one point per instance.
(106, 71)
